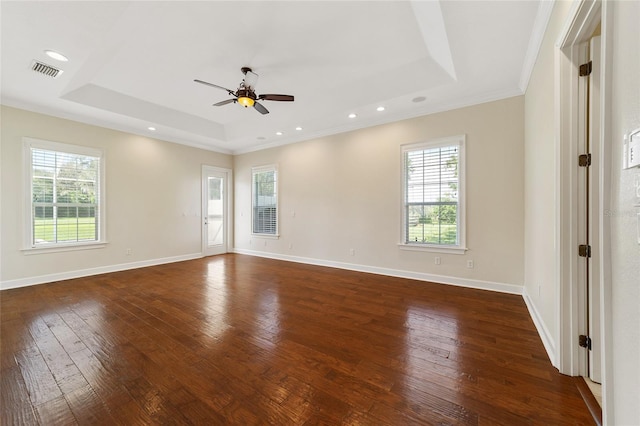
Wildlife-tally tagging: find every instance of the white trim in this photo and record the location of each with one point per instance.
(580, 24)
(543, 331)
(266, 236)
(606, 83)
(57, 248)
(421, 276)
(432, 248)
(62, 147)
(535, 42)
(42, 279)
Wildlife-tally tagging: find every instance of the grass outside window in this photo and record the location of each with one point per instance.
(48, 230)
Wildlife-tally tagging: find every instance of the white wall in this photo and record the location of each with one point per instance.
(625, 250)
(540, 251)
(345, 191)
(152, 190)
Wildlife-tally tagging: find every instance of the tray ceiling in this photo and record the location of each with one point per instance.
(132, 64)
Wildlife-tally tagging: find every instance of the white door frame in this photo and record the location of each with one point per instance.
(570, 358)
(228, 204)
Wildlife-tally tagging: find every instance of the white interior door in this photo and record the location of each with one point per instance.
(590, 214)
(215, 210)
(595, 215)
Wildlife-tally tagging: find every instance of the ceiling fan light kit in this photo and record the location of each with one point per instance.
(245, 95)
(245, 98)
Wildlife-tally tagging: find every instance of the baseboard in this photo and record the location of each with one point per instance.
(24, 282)
(441, 279)
(543, 332)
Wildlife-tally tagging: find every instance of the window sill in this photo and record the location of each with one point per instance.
(433, 249)
(63, 247)
(267, 236)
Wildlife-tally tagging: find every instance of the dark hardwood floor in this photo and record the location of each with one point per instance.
(242, 340)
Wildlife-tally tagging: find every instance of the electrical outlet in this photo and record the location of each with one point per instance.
(470, 264)
(437, 260)
(352, 252)
(128, 252)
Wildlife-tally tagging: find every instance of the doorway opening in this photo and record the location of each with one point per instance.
(583, 228)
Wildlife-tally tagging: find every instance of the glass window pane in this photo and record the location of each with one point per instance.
(431, 195)
(43, 225)
(215, 211)
(265, 215)
(65, 196)
(42, 189)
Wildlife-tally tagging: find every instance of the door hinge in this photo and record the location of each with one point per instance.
(585, 69)
(584, 160)
(584, 250)
(584, 341)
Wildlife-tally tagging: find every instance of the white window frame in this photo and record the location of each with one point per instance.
(29, 246)
(459, 248)
(254, 172)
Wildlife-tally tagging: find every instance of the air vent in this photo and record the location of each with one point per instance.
(45, 69)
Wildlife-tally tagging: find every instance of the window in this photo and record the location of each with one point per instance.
(264, 200)
(65, 194)
(433, 205)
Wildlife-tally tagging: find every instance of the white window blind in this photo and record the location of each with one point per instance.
(65, 194)
(433, 190)
(265, 200)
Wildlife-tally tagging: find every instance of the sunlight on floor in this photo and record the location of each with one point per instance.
(596, 390)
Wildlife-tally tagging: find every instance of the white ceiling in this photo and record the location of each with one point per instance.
(132, 64)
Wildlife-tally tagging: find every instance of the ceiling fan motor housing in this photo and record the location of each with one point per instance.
(246, 93)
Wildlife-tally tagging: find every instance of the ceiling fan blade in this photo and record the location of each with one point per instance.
(227, 101)
(261, 109)
(272, 97)
(214, 85)
(250, 80)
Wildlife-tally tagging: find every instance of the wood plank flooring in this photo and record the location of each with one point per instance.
(242, 340)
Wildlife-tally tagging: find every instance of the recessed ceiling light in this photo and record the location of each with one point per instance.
(380, 108)
(352, 115)
(298, 128)
(419, 99)
(151, 128)
(55, 55)
(279, 133)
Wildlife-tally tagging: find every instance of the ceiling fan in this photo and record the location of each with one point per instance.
(245, 95)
